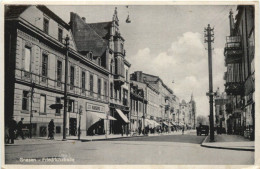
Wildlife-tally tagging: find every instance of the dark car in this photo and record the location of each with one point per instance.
(202, 129)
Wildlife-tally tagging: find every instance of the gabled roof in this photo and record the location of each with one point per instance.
(102, 29)
(86, 38)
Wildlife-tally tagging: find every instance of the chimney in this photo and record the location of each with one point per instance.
(84, 19)
(231, 23)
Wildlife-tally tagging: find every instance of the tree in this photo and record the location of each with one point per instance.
(202, 119)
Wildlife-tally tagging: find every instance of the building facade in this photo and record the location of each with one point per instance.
(240, 75)
(103, 43)
(35, 73)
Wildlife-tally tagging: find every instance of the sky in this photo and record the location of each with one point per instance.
(168, 41)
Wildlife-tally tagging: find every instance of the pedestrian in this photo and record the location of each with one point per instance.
(51, 129)
(12, 127)
(20, 128)
(122, 130)
(182, 130)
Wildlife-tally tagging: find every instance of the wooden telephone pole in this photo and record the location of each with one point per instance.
(209, 37)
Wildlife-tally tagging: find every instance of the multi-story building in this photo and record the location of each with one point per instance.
(240, 75)
(103, 43)
(149, 98)
(35, 73)
(220, 111)
(164, 102)
(138, 106)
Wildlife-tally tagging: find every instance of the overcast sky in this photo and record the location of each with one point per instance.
(168, 41)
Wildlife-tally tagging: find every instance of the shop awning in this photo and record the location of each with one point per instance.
(165, 123)
(102, 116)
(121, 114)
(155, 123)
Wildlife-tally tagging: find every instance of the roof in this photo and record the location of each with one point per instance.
(86, 38)
(14, 11)
(102, 29)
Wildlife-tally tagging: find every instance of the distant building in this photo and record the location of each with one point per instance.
(193, 112)
(161, 108)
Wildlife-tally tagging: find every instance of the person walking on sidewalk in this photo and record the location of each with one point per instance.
(122, 130)
(12, 127)
(183, 130)
(20, 128)
(51, 129)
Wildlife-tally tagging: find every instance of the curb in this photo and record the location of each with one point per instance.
(227, 148)
(103, 139)
(55, 142)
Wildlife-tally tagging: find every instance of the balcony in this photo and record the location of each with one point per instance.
(119, 80)
(234, 88)
(233, 50)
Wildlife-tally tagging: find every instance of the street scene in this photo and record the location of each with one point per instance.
(129, 84)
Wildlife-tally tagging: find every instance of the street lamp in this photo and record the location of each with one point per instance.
(79, 130)
(31, 114)
(65, 88)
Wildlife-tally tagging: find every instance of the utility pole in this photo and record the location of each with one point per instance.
(31, 114)
(65, 88)
(208, 35)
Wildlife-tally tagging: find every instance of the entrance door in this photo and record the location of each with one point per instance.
(73, 127)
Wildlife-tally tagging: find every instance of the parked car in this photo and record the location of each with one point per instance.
(202, 129)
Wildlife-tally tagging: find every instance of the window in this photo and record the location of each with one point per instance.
(122, 47)
(83, 81)
(105, 88)
(58, 129)
(25, 102)
(43, 103)
(90, 56)
(116, 66)
(111, 90)
(44, 65)
(91, 84)
(99, 61)
(27, 59)
(71, 77)
(99, 87)
(58, 101)
(59, 72)
(71, 106)
(120, 93)
(126, 75)
(60, 34)
(46, 25)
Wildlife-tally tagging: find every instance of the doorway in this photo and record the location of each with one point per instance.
(73, 127)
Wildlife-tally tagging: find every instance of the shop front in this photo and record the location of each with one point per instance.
(121, 124)
(95, 120)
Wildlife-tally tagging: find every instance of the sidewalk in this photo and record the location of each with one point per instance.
(73, 139)
(232, 142)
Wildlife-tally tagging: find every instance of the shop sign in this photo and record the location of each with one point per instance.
(72, 115)
(94, 107)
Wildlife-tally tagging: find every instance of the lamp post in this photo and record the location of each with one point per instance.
(31, 114)
(79, 130)
(65, 88)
